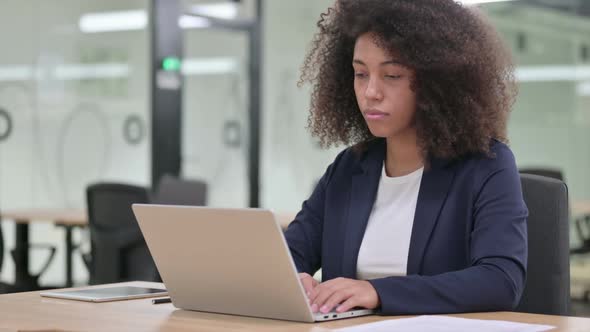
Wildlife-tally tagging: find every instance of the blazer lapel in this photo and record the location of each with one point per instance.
(362, 195)
(436, 182)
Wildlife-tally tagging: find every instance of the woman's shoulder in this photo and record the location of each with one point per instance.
(356, 158)
(361, 153)
(500, 157)
(347, 158)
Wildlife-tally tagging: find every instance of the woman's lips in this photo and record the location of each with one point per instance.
(375, 115)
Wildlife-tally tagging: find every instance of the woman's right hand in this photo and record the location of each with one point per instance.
(308, 282)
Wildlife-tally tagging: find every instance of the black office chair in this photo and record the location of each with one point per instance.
(118, 249)
(582, 222)
(547, 288)
(4, 288)
(548, 172)
(174, 191)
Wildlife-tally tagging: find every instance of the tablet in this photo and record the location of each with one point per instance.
(106, 294)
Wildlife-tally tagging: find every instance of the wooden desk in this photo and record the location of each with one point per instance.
(579, 208)
(29, 311)
(66, 218)
(69, 217)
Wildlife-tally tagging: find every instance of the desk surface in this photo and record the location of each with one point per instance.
(580, 208)
(77, 217)
(29, 311)
(73, 217)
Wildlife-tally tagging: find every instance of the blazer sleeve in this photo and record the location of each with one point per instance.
(304, 234)
(495, 279)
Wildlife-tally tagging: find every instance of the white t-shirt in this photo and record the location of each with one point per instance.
(386, 243)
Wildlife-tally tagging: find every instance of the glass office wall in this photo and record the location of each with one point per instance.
(215, 104)
(292, 162)
(74, 85)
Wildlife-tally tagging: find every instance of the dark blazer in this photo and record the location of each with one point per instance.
(468, 247)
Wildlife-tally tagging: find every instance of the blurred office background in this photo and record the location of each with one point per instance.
(76, 102)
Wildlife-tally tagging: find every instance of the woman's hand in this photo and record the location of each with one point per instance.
(344, 294)
(308, 282)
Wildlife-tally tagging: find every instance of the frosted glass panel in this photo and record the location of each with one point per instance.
(215, 114)
(78, 105)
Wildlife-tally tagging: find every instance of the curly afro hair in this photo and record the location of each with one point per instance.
(464, 76)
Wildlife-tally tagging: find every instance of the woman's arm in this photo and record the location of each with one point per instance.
(304, 234)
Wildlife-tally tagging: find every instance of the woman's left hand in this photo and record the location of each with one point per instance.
(344, 294)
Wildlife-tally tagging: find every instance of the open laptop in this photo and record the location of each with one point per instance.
(230, 261)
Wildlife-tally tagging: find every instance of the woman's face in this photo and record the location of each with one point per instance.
(382, 89)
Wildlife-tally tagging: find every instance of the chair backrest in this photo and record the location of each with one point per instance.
(547, 288)
(119, 251)
(546, 172)
(175, 191)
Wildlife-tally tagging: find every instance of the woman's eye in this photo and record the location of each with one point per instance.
(393, 77)
(360, 75)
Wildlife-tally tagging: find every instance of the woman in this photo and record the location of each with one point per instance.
(424, 213)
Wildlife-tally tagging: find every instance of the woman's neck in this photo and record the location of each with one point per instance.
(403, 155)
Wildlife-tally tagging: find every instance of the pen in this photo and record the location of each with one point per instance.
(161, 300)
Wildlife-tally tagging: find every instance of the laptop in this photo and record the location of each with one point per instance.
(230, 261)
